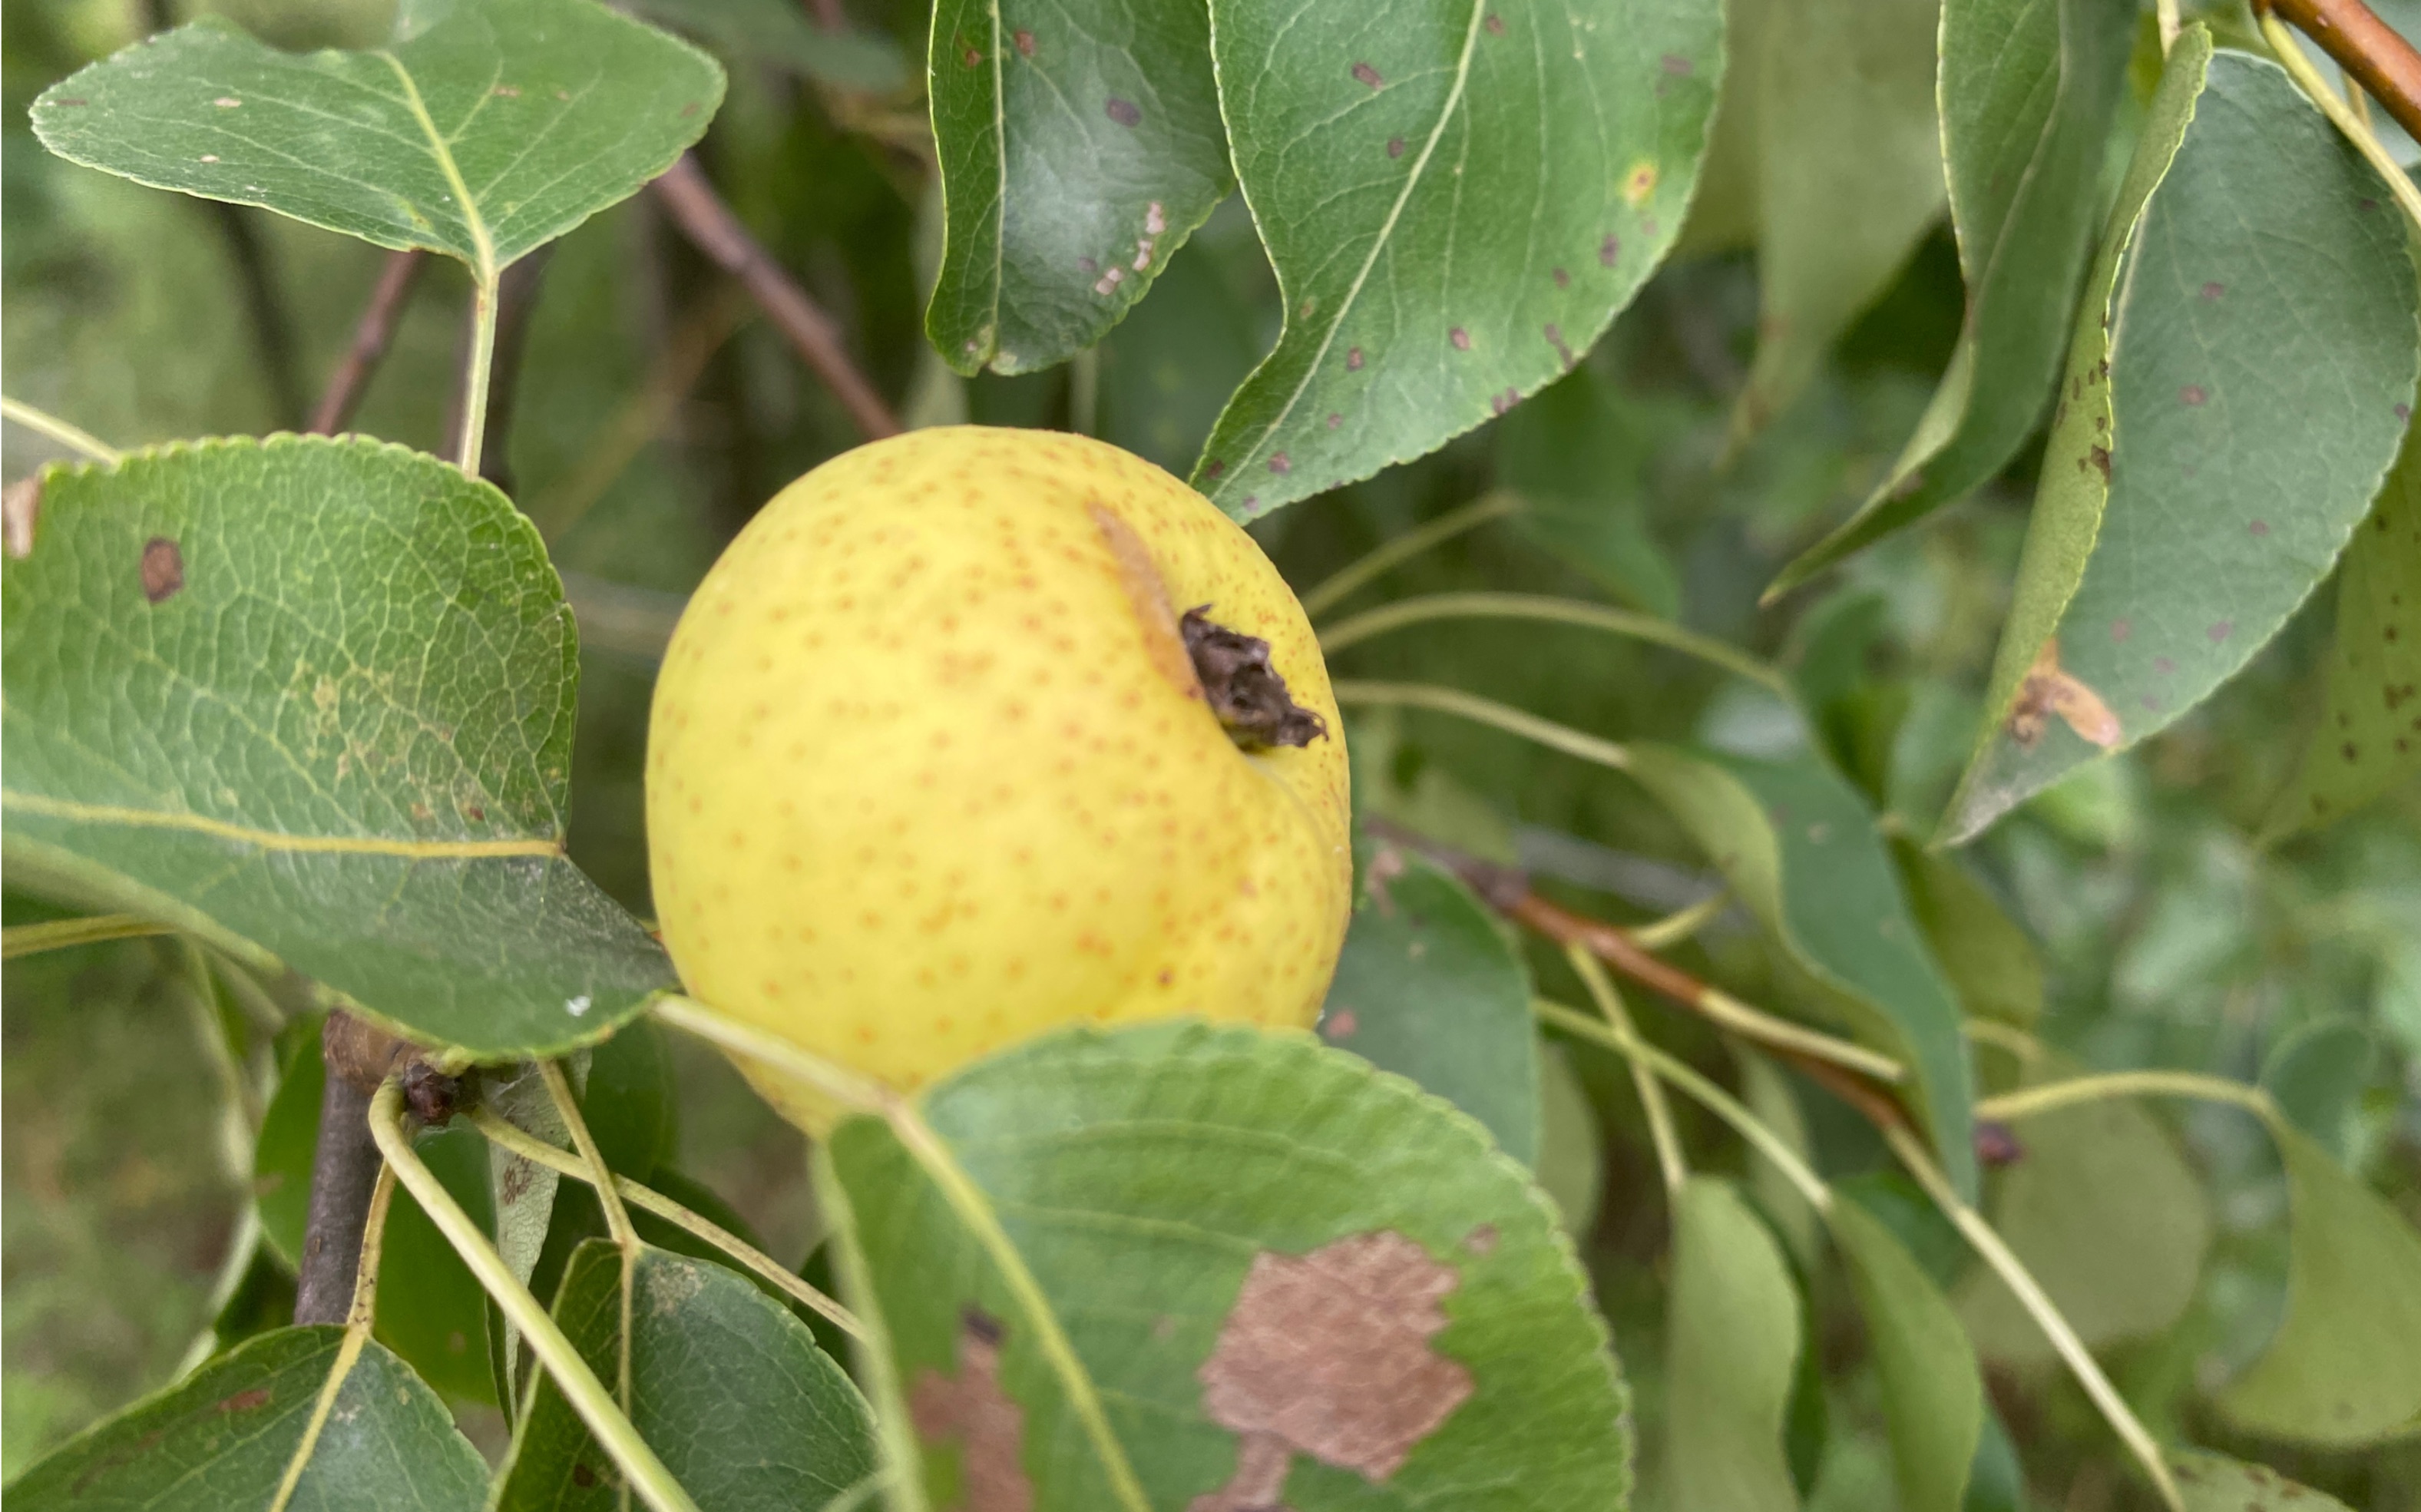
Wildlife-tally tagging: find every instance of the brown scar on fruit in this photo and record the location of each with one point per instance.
(2048, 691)
(163, 569)
(1245, 691)
(1150, 595)
(972, 1408)
(20, 505)
(1328, 1354)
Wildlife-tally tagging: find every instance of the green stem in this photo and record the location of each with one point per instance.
(618, 1224)
(1406, 546)
(512, 1137)
(1660, 1132)
(847, 1088)
(359, 1317)
(1627, 622)
(975, 1211)
(579, 1384)
(1760, 1134)
(60, 934)
(1677, 926)
(474, 379)
(2013, 1273)
(2028, 1101)
(2299, 65)
(73, 437)
(1472, 706)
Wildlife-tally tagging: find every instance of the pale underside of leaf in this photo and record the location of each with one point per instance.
(1457, 199)
(486, 133)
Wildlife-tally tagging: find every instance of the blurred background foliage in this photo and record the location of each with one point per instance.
(654, 414)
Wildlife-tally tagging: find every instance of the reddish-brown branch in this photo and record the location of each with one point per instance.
(372, 335)
(2383, 63)
(1506, 889)
(708, 223)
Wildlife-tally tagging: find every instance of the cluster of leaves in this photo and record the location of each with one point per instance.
(309, 703)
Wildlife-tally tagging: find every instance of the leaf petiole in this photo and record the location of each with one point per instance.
(61, 934)
(1643, 1079)
(1627, 622)
(73, 437)
(1338, 586)
(580, 1386)
(512, 1137)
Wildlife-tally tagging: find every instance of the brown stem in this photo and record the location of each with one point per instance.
(708, 223)
(372, 335)
(1506, 889)
(2373, 55)
(829, 15)
(343, 1171)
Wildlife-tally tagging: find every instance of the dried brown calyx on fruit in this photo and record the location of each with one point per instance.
(1243, 690)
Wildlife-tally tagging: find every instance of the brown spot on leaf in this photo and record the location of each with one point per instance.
(245, 1401)
(1354, 360)
(1481, 1240)
(1609, 251)
(1279, 464)
(1461, 338)
(1368, 75)
(2258, 527)
(1563, 279)
(21, 507)
(2120, 629)
(1996, 1145)
(1555, 339)
(1123, 112)
(1025, 43)
(2213, 290)
(583, 1476)
(1394, 147)
(1335, 420)
(163, 569)
(2194, 394)
(970, 1408)
(2221, 629)
(1495, 24)
(2100, 457)
(1328, 1354)
(2048, 691)
(1243, 688)
(1213, 468)
(1676, 65)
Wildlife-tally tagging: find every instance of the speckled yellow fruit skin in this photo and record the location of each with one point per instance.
(927, 771)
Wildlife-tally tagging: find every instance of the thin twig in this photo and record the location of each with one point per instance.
(708, 223)
(1660, 1132)
(1848, 1070)
(372, 335)
(579, 1384)
(1556, 610)
(2369, 48)
(530, 1147)
(2342, 116)
(344, 1169)
(1388, 553)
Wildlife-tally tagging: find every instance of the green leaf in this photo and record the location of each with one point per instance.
(2212, 1482)
(2345, 1367)
(1080, 145)
(2236, 390)
(1849, 177)
(2108, 1216)
(1988, 956)
(1572, 1146)
(1429, 987)
(2368, 740)
(1800, 847)
(1171, 363)
(490, 128)
(289, 1139)
(779, 33)
(485, 132)
(1580, 466)
(2028, 91)
(1934, 1397)
(312, 701)
(1733, 1333)
(225, 1437)
(2315, 1076)
(1457, 199)
(1194, 1207)
(726, 1387)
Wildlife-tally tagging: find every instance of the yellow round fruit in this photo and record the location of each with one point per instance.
(931, 768)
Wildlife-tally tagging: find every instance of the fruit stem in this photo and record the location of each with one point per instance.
(1652, 1092)
(1340, 584)
(1651, 627)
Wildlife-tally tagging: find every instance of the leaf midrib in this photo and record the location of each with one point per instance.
(485, 249)
(272, 840)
